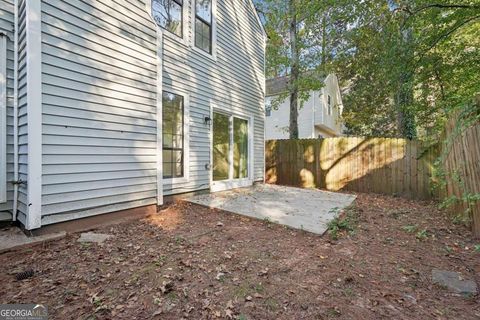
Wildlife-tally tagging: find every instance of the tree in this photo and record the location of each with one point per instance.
(294, 67)
(403, 64)
(407, 63)
(293, 50)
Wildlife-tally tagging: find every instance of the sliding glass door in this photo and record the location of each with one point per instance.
(231, 154)
(221, 147)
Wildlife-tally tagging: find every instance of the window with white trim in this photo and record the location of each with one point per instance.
(173, 131)
(268, 107)
(268, 111)
(329, 105)
(168, 14)
(203, 25)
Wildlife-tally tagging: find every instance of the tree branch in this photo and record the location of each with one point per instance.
(412, 13)
(446, 35)
(446, 6)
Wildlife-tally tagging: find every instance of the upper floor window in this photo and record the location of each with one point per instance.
(268, 111)
(203, 25)
(268, 107)
(168, 14)
(329, 105)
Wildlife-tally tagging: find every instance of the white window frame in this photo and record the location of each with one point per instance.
(213, 55)
(170, 35)
(3, 118)
(186, 134)
(268, 107)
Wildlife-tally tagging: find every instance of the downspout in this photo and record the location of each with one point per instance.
(159, 103)
(15, 114)
(313, 117)
(264, 114)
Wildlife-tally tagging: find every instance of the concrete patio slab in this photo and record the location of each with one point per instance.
(306, 209)
(12, 238)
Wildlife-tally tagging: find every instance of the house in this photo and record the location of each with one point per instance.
(109, 105)
(318, 117)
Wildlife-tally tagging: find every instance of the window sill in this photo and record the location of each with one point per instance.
(212, 56)
(175, 38)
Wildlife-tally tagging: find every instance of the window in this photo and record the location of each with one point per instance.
(329, 104)
(268, 111)
(173, 135)
(168, 14)
(203, 25)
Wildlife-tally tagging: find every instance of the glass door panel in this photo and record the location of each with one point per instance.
(240, 148)
(221, 147)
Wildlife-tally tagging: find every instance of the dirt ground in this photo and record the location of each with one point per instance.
(195, 263)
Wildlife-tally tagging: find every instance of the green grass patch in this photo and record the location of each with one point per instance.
(343, 225)
(410, 228)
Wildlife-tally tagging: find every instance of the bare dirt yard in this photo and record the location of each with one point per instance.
(195, 263)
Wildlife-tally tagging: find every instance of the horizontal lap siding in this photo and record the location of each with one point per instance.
(98, 107)
(7, 26)
(22, 114)
(234, 82)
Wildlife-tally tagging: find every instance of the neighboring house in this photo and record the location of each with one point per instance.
(319, 117)
(109, 105)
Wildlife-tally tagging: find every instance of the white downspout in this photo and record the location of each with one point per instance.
(314, 114)
(159, 118)
(15, 115)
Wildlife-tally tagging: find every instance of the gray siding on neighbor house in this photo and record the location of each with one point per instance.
(7, 26)
(235, 82)
(22, 113)
(99, 107)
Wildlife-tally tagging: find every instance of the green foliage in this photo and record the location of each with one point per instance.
(346, 223)
(309, 51)
(404, 64)
(422, 235)
(410, 229)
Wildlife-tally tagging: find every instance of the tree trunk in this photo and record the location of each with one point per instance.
(324, 43)
(295, 72)
(404, 98)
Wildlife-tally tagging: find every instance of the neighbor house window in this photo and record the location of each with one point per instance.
(168, 14)
(173, 134)
(329, 105)
(203, 25)
(268, 111)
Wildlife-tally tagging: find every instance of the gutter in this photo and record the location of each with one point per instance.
(15, 115)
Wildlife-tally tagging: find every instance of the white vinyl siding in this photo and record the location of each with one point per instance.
(7, 27)
(22, 114)
(99, 101)
(233, 82)
(3, 118)
(99, 107)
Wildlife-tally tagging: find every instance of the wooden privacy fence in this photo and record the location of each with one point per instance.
(460, 159)
(380, 165)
